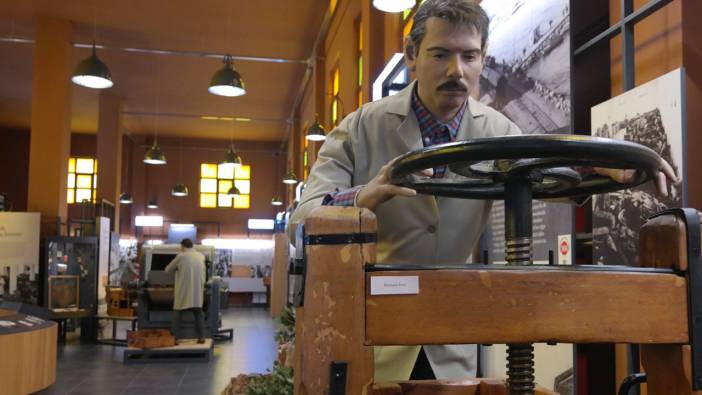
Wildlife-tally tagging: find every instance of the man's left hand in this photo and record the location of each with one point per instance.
(662, 178)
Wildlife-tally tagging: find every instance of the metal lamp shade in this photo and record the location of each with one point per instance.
(179, 190)
(92, 73)
(231, 158)
(233, 191)
(154, 156)
(290, 178)
(316, 132)
(276, 201)
(125, 198)
(152, 204)
(227, 82)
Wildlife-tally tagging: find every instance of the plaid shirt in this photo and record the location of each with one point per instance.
(433, 132)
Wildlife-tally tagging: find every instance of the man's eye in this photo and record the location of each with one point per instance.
(439, 56)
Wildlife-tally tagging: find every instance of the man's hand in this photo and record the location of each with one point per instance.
(379, 189)
(663, 176)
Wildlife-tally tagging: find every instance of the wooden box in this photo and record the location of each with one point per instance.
(150, 338)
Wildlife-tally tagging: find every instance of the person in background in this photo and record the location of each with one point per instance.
(189, 268)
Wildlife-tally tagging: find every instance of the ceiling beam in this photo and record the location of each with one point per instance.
(167, 52)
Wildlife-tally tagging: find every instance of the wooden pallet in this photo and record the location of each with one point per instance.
(187, 350)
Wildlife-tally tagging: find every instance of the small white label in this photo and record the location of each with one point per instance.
(394, 285)
(565, 250)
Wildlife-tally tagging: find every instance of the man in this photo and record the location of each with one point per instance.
(445, 50)
(189, 268)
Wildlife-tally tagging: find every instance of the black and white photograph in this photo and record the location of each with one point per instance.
(527, 66)
(651, 115)
(526, 77)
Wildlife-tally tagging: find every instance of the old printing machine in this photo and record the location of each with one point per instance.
(156, 290)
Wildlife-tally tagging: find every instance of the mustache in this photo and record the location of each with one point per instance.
(453, 85)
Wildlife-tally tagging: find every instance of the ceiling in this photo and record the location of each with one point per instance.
(172, 85)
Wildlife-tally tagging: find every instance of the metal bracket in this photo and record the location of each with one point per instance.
(630, 381)
(694, 282)
(337, 378)
(344, 238)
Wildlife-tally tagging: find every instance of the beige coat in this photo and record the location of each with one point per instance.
(189, 268)
(421, 229)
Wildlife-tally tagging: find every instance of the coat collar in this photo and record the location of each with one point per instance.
(401, 104)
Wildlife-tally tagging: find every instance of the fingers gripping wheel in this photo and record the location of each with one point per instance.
(481, 167)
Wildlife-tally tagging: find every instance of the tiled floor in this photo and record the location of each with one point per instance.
(98, 369)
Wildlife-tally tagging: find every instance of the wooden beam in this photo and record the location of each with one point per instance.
(520, 306)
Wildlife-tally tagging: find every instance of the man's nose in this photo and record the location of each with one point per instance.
(454, 69)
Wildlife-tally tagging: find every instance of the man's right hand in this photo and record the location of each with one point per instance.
(380, 190)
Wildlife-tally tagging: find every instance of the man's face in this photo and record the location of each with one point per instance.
(447, 65)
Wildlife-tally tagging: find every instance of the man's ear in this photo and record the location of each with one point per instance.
(410, 54)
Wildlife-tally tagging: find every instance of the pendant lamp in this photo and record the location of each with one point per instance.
(92, 73)
(290, 178)
(231, 157)
(152, 204)
(125, 198)
(154, 155)
(316, 132)
(180, 189)
(393, 5)
(233, 191)
(276, 201)
(227, 81)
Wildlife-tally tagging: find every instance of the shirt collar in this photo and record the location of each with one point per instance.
(428, 122)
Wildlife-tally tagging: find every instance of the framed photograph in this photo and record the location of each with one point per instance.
(64, 292)
(652, 115)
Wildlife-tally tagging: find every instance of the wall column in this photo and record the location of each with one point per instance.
(51, 121)
(109, 151)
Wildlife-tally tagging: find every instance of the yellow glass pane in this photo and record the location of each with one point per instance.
(85, 166)
(334, 114)
(241, 201)
(224, 200)
(84, 194)
(408, 27)
(332, 6)
(95, 168)
(71, 180)
(335, 89)
(360, 70)
(224, 186)
(84, 181)
(225, 171)
(360, 98)
(208, 200)
(208, 185)
(244, 186)
(243, 172)
(72, 165)
(69, 196)
(94, 196)
(208, 170)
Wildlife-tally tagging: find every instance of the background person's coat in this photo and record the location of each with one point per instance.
(189, 268)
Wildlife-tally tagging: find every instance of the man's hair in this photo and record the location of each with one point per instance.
(187, 243)
(458, 12)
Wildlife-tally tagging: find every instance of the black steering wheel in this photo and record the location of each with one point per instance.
(481, 167)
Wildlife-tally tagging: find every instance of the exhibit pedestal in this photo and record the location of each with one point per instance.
(28, 362)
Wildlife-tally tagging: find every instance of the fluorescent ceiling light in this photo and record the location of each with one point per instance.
(239, 244)
(261, 224)
(148, 220)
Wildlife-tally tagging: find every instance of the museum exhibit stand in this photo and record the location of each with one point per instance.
(351, 303)
(27, 353)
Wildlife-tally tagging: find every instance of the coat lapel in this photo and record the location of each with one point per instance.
(469, 127)
(408, 131)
